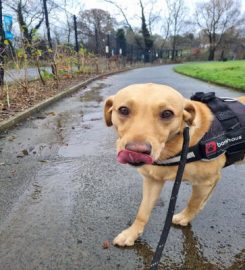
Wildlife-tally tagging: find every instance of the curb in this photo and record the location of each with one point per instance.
(19, 117)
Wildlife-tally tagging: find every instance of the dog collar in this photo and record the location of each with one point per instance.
(174, 161)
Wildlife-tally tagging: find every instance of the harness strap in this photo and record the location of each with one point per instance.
(235, 154)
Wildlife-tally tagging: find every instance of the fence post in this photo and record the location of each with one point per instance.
(76, 41)
(76, 38)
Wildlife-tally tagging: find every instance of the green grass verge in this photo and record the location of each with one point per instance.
(230, 73)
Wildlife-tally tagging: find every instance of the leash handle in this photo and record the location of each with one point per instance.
(171, 207)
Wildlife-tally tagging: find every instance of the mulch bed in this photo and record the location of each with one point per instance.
(21, 99)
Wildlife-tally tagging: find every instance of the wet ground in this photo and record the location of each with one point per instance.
(62, 193)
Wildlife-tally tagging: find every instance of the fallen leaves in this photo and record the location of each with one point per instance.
(21, 100)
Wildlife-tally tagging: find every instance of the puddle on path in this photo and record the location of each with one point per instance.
(83, 133)
(93, 93)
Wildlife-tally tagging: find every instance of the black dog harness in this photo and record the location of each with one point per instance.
(226, 134)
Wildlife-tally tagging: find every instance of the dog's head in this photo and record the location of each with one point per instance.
(146, 117)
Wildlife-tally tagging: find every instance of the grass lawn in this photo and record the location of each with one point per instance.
(230, 73)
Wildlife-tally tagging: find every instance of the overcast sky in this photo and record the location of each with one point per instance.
(132, 9)
(130, 5)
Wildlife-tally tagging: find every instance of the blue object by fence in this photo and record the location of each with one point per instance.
(7, 25)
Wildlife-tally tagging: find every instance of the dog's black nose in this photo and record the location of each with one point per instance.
(144, 148)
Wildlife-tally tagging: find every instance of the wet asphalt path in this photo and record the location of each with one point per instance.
(16, 75)
(62, 193)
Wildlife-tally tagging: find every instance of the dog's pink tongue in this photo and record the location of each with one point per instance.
(127, 156)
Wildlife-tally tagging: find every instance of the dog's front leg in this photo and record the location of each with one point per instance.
(151, 192)
(199, 197)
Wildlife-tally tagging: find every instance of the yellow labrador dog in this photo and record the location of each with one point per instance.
(149, 120)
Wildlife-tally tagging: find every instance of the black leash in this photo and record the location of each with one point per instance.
(158, 253)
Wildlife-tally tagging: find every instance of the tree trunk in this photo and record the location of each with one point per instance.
(96, 40)
(27, 38)
(211, 54)
(146, 35)
(173, 49)
(146, 56)
(47, 23)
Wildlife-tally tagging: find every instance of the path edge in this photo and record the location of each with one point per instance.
(19, 117)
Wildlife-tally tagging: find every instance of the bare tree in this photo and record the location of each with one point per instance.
(68, 22)
(95, 25)
(146, 34)
(153, 15)
(165, 29)
(29, 16)
(62, 9)
(215, 18)
(174, 22)
(122, 12)
(145, 26)
(128, 25)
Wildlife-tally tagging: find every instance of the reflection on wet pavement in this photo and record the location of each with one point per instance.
(192, 257)
(92, 94)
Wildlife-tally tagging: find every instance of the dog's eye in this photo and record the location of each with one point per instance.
(124, 111)
(167, 114)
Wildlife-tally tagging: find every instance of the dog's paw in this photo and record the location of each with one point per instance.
(126, 238)
(181, 219)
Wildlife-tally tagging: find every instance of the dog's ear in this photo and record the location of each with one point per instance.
(189, 112)
(108, 110)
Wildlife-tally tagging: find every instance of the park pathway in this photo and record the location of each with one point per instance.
(62, 193)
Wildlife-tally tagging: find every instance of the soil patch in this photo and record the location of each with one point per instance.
(17, 99)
